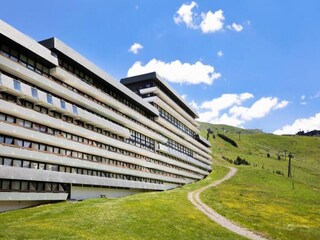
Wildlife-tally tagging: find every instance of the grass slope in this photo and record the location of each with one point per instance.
(157, 215)
(257, 197)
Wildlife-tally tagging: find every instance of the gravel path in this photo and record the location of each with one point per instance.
(194, 198)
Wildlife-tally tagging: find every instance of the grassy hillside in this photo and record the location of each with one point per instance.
(256, 197)
(259, 196)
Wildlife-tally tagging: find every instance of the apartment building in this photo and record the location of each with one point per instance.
(68, 130)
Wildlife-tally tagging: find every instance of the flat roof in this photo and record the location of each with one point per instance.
(168, 90)
(55, 43)
(27, 42)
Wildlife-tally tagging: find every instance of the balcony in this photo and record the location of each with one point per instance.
(182, 156)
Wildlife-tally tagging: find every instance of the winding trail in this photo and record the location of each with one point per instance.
(194, 198)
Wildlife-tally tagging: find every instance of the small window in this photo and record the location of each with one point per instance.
(32, 186)
(54, 187)
(15, 185)
(5, 50)
(34, 93)
(26, 164)
(17, 163)
(40, 186)
(5, 185)
(42, 166)
(46, 71)
(14, 55)
(23, 58)
(18, 142)
(7, 161)
(2, 117)
(8, 140)
(49, 98)
(39, 68)
(24, 186)
(63, 104)
(36, 126)
(75, 109)
(35, 146)
(31, 64)
(27, 124)
(10, 119)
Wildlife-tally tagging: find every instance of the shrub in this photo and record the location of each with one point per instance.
(227, 139)
(279, 172)
(227, 159)
(240, 161)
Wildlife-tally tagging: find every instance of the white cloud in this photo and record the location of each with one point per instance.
(220, 53)
(235, 27)
(185, 15)
(317, 95)
(135, 48)
(259, 109)
(224, 102)
(229, 109)
(177, 72)
(302, 124)
(282, 104)
(184, 96)
(208, 22)
(212, 22)
(303, 97)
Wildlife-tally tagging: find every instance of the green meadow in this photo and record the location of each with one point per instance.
(260, 197)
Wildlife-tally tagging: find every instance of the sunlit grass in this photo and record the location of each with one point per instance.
(262, 200)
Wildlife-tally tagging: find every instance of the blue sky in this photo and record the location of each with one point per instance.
(267, 75)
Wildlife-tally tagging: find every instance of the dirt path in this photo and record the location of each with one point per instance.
(194, 198)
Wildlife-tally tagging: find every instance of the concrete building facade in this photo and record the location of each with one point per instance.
(68, 130)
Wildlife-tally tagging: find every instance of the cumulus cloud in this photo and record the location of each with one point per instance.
(177, 71)
(212, 22)
(302, 124)
(224, 101)
(259, 109)
(220, 53)
(207, 22)
(229, 109)
(135, 48)
(185, 15)
(235, 27)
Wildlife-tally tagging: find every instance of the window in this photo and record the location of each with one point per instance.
(15, 185)
(63, 104)
(31, 64)
(34, 93)
(75, 109)
(24, 186)
(49, 98)
(17, 85)
(17, 163)
(10, 119)
(7, 161)
(5, 185)
(8, 140)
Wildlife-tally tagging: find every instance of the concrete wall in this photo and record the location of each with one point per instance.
(13, 205)
(80, 193)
